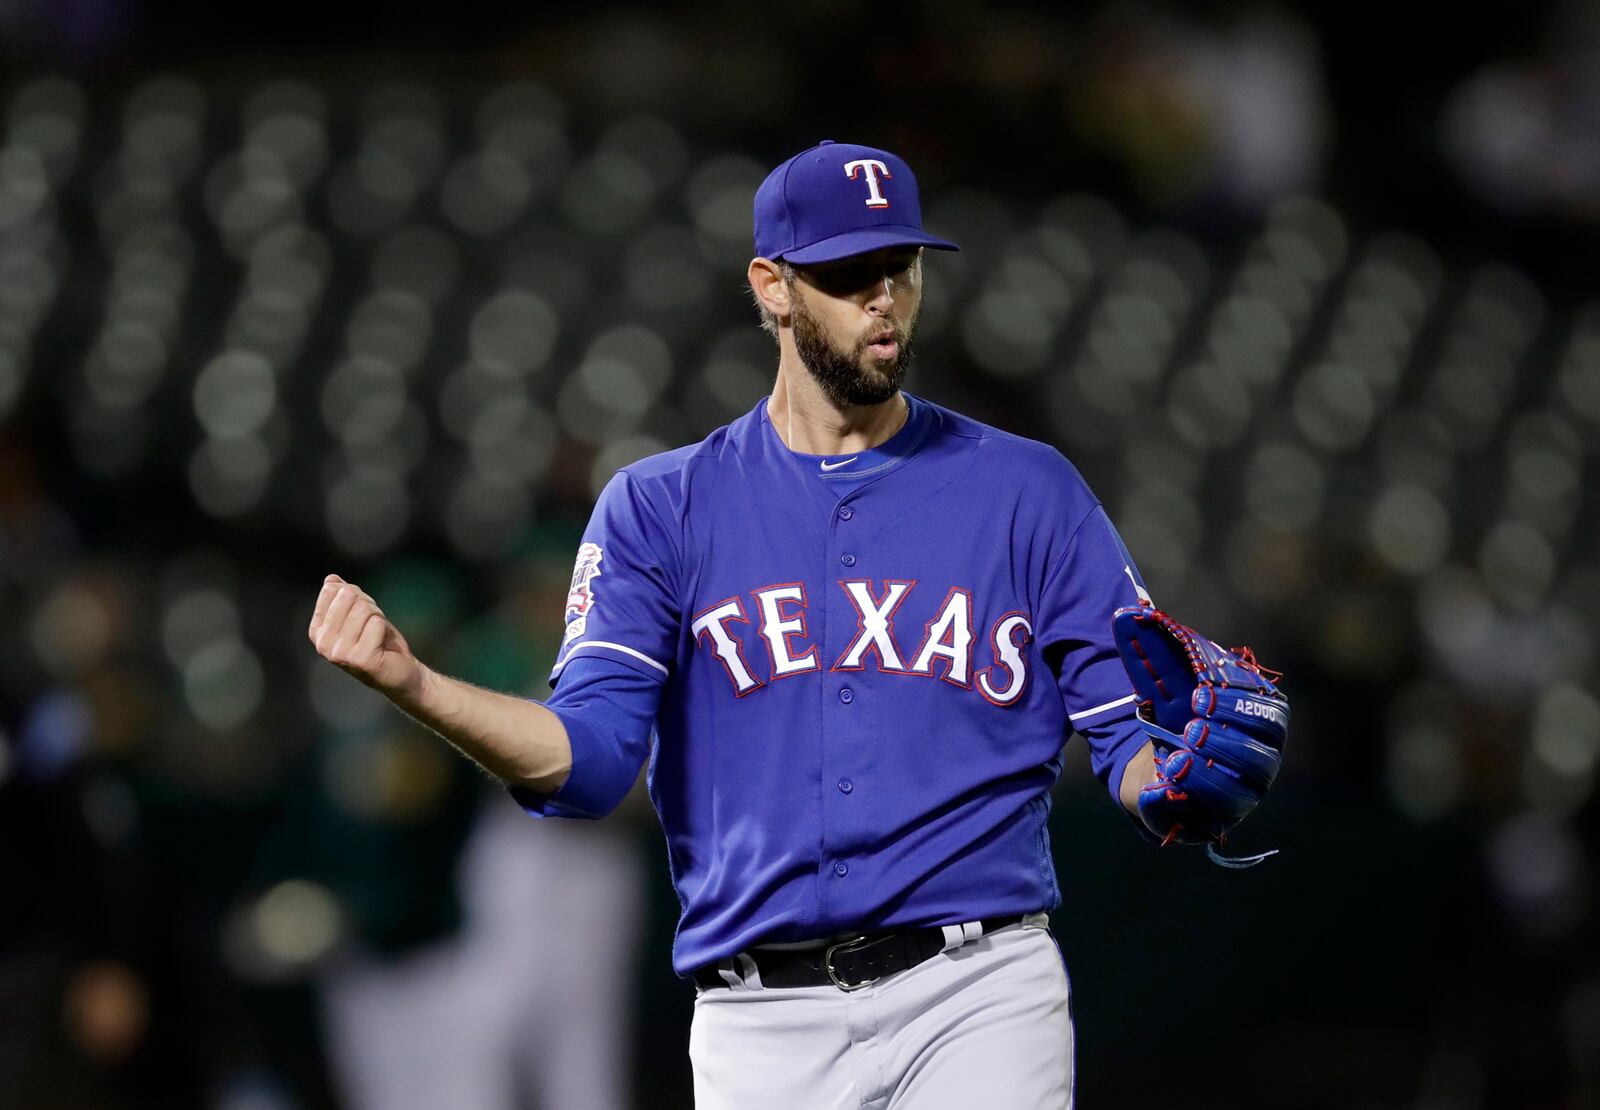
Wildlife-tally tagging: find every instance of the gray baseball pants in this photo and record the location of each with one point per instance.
(986, 1023)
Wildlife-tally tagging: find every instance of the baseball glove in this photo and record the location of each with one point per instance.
(1218, 722)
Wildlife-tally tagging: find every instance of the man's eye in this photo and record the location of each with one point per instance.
(853, 278)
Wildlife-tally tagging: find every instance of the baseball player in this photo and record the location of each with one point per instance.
(851, 632)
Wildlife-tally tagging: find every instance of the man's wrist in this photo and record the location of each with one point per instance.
(1139, 773)
(419, 698)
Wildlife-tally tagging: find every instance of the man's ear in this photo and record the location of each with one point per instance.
(766, 282)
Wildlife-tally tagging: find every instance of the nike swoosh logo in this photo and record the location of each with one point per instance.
(837, 465)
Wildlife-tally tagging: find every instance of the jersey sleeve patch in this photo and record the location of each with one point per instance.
(622, 599)
(580, 597)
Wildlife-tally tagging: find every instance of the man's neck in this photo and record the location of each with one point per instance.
(808, 421)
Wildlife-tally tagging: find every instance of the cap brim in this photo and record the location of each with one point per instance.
(852, 243)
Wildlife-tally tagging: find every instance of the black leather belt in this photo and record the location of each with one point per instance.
(849, 964)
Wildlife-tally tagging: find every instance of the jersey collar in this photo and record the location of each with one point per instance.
(872, 463)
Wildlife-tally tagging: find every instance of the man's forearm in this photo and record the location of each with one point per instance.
(1140, 772)
(515, 739)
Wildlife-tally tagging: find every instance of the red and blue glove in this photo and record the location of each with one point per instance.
(1218, 722)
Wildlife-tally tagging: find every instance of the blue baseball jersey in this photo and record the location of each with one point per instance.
(862, 671)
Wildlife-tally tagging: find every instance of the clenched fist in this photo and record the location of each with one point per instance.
(350, 631)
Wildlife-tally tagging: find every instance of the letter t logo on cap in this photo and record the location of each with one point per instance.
(873, 168)
(807, 213)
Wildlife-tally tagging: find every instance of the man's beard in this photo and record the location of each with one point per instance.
(840, 373)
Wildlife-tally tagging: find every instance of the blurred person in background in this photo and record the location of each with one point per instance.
(1212, 116)
(490, 961)
(1521, 130)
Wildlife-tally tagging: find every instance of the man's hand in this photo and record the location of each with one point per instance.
(350, 631)
(517, 740)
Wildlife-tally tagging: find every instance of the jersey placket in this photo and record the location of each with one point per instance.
(838, 757)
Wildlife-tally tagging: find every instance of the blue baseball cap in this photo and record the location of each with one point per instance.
(837, 200)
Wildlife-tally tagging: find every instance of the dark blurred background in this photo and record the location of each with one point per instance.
(1308, 291)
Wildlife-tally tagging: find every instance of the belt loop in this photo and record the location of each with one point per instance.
(957, 935)
(750, 973)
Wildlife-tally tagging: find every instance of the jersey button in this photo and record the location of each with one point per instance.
(848, 559)
(841, 868)
(847, 695)
(846, 512)
(845, 786)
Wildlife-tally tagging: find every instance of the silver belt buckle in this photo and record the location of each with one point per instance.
(850, 944)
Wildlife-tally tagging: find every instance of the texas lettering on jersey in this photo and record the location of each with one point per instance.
(776, 619)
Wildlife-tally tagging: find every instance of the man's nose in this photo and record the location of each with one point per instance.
(882, 298)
